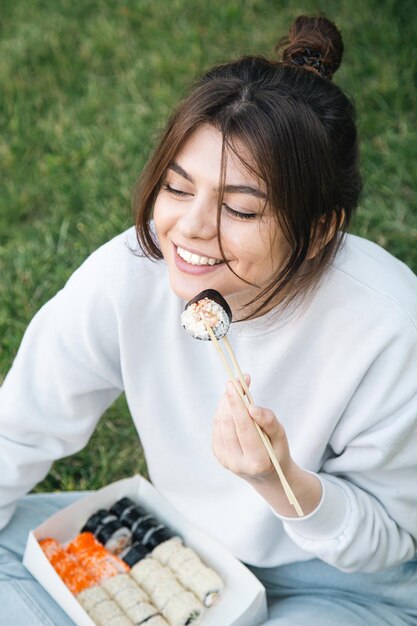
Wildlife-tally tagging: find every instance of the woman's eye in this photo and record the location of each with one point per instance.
(173, 191)
(239, 214)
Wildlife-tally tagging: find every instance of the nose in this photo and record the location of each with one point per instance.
(199, 220)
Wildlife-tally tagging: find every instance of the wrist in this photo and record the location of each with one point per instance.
(305, 485)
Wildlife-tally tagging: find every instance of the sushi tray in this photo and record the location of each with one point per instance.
(124, 556)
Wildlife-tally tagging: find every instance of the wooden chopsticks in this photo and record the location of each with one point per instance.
(247, 398)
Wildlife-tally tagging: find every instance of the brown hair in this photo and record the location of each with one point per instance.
(299, 129)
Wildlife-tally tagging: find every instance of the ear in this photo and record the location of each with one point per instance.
(322, 238)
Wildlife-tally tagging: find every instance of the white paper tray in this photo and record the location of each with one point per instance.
(242, 603)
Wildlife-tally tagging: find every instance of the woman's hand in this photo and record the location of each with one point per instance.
(236, 442)
(238, 447)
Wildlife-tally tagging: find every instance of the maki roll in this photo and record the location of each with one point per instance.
(141, 612)
(134, 553)
(108, 530)
(179, 607)
(119, 507)
(114, 536)
(97, 520)
(119, 583)
(130, 597)
(163, 552)
(89, 598)
(208, 307)
(203, 581)
(125, 591)
(148, 573)
(68, 567)
(165, 590)
(183, 610)
(180, 556)
(50, 547)
(142, 525)
(160, 534)
(132, 515)
(105, 611)
(94, 557)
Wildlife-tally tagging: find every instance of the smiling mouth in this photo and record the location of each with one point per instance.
(195, 259)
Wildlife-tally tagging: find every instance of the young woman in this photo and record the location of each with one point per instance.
(249, 192)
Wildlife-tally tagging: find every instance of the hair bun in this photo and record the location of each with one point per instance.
(314, 43)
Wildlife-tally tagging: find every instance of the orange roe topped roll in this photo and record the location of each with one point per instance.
(94, 557)
(50, 547)
(67, 566)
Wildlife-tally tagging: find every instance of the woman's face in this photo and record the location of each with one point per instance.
(185, 215)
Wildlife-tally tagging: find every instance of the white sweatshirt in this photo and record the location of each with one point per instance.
(341, 375)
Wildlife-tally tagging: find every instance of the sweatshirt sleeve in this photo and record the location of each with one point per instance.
(65, 375)
(367, 517)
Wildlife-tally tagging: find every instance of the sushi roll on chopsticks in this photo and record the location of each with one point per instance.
(208, 316)
(208, 307)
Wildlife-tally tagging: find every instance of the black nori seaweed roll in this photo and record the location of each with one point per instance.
(159, 534)
(121, 505)
(214, 295)
(134, 553)
(133, 515)
(114, 536)
(141, 527)
(97, 520)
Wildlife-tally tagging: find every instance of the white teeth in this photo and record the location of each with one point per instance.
(194, 259)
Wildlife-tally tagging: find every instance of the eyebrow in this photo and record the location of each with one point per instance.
(247, 189)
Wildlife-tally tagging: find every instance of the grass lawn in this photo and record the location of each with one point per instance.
(85, 88)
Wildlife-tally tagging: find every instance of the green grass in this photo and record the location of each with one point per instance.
(85, 88)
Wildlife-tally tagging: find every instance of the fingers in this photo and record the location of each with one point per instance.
(226, 446)
(267, 420)
(243, 424)
(237, 384)
(236, 440)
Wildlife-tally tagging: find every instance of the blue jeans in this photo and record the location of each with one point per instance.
(310, 593)
(23, 602)
(313, 593)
